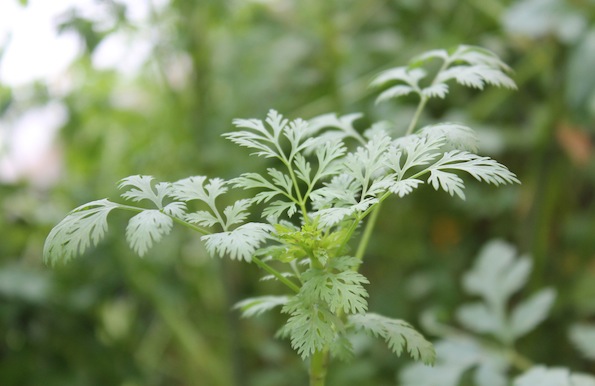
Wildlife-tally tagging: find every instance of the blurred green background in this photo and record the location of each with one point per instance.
(111, 318)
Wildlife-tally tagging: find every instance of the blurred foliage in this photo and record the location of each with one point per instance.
(112, 319)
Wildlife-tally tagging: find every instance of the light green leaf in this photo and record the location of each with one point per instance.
(476, 76)
(582, 380)
(175, 209)
(449, 182)
(497, 273)
(543, 376)
(455, 357)
(236, 213)
(435, 91)
(303, 169)
(145, 228)
(458, 136)
(479, 318)
(310, 327)
(337, 128)
(529, 313)
(142, 189)
(404, 187)
(255, 180)
(202, 217)
(398, 334)
(259, 305)
(340, 291)
(241, 243)
(583, 338)
(190, 188)
(276, 209)
(481, 168)
(83, 227)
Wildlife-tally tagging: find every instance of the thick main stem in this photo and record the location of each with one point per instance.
(319, 368)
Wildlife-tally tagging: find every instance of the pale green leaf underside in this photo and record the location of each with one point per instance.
(83, 227)
(241, 243)
(259, 305)
(146, 228)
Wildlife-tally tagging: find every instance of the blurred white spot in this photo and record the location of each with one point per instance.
(28, 151)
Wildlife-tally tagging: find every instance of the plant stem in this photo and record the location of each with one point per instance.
(318, 368)
(276, 273)
(420, 107)
(363, 244)
(424, 99)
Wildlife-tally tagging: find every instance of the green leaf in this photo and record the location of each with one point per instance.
(398, 334)
(258, 305)
(339, 192)
(529, 313)
(241, 243)
(340, 291)
(83, 227)
(145, 228)
(310, 327)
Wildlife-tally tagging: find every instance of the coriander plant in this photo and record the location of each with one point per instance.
(318, 207)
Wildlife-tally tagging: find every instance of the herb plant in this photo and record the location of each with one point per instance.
(318, 205)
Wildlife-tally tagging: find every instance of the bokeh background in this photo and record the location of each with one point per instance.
(94, 91)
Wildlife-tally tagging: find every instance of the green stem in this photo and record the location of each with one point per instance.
(276, 273)
(423, 100)
(319, 367)
(420, 107)
(363, 244)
